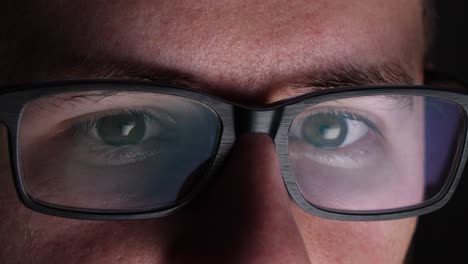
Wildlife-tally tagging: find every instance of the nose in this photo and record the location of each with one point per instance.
(245, 215)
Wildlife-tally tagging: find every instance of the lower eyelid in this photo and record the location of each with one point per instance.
(353, 156)
(345, 161)
(106, 155)
(119, 158)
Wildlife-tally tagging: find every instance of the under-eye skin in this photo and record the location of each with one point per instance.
(119, 137)
(337, 138)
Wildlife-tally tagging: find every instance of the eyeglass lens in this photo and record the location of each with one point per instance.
(374, 153)
(131, 151)
(117, 151)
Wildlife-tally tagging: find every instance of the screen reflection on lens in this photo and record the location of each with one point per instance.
(118, 151)
(370, 153)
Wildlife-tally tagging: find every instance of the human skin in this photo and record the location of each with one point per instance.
(248, 52)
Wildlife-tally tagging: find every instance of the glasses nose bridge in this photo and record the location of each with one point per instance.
(251, 120)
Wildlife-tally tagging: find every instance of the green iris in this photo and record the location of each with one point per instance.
(325, 130)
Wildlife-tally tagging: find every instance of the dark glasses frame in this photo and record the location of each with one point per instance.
(273, 119)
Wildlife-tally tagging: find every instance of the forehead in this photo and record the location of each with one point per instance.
(249, 44)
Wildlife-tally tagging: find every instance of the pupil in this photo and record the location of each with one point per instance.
(325, 130)
(121, 130)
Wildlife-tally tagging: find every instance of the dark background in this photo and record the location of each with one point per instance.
(450, 52)
(442, 236)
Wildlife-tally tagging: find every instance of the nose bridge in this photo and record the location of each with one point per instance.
(245, 216)
(257, 120)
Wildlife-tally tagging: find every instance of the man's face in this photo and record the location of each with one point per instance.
(249, 52)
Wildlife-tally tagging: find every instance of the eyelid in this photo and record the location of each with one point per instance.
(150, 113)
(370, 119)
(352, 156)
(357, 117)
(83, 131)
(94, 121)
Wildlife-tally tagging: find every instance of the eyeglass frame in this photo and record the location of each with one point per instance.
(273, 119)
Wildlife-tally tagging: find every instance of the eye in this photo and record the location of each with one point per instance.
(334, 130)
(122, 127)
(121, 130)
(122, 136)
(336, 138)
(127, 151)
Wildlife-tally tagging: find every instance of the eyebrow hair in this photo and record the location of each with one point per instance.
(135, 72)
(338, 76)
(356, 75)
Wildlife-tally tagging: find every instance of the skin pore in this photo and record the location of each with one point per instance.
(249, 52)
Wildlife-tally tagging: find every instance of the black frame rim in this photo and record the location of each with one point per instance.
(13, 100)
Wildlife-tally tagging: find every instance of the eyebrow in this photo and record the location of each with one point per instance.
(360, 75)
(339, 76)
(351, 74)
(356, 75)
(136, 72)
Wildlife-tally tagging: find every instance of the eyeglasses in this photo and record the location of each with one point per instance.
(133, 150)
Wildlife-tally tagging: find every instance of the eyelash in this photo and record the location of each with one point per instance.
(83, 129)
(85, 126)
(352, 116)
(349, 156)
